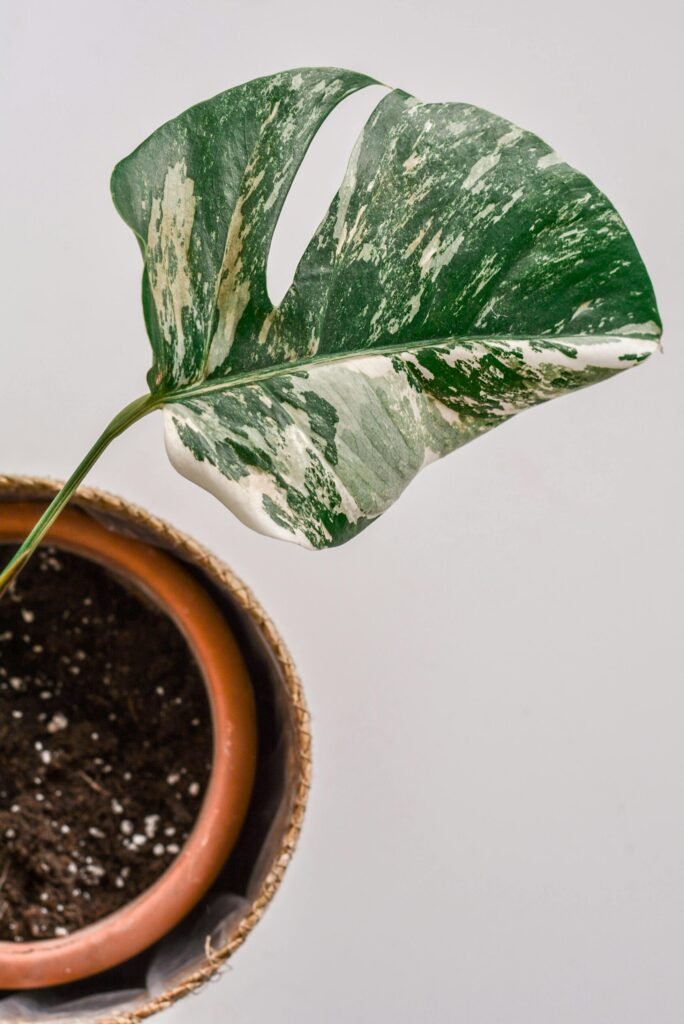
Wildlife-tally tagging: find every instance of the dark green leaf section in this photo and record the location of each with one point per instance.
(453, 221)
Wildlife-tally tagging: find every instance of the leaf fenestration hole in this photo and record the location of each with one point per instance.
(313, 189)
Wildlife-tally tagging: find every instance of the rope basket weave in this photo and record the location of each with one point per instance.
(124, 517)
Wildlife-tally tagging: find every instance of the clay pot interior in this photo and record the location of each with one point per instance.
(104, 712)
(214, 920)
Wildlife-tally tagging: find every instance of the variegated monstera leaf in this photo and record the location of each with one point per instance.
(463, 273)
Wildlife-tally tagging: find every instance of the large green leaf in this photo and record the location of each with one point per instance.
(463, 273)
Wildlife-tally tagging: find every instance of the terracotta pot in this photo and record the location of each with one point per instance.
(146, 919)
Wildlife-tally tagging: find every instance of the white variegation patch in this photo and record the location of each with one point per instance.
(233, 292)
(168, 241)
(549, 160)
(244, 498)
(480, 168)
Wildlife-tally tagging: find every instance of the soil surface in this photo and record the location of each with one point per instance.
(105, 746)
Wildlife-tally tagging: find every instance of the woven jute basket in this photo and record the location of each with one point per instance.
(274, 821)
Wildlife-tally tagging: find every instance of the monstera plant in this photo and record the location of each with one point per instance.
(464, 272)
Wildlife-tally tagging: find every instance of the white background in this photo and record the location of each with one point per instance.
(496, 832)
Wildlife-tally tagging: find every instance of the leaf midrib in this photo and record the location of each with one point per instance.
(203, 388)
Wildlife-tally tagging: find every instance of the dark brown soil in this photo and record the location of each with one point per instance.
(105, 746)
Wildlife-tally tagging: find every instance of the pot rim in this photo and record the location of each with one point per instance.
(138, 924)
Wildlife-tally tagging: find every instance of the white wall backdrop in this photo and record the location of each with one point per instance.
(496, 832)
